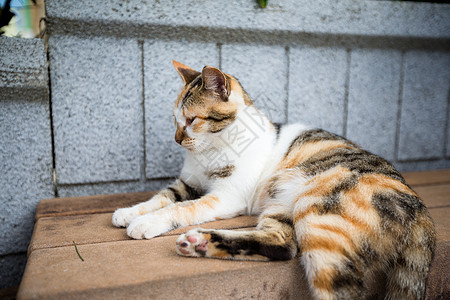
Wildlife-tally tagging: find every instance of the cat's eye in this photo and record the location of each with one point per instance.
(189, 121)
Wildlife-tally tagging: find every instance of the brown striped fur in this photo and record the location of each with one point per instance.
(352, 217)
(211, 110)
(221, 172)
(365, 219)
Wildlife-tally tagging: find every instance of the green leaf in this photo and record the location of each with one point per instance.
(262, 3)
(76, 249)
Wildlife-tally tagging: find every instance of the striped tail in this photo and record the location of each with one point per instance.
(407, 278)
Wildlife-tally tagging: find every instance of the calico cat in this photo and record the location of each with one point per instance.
(346, 212)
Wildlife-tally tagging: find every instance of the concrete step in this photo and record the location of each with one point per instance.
(115, 266)
(152, 269)
(420, 178)
(88, 204)
(54, 232)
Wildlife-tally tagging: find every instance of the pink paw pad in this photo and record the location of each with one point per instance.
(202, 247)
(183, 247)
(192, 239)
(192, 243)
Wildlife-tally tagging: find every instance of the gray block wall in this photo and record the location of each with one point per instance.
(377, 72)
(97, 110)
(26, 161)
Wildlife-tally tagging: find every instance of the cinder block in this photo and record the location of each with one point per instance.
(97, 108)
(164, 157)
(373, 100)
(405, 166)
(317, 87)
(262, 70)
(23, 56)
(424, 105)
(23, 69)
(12, 269)
(26, 169)
(176, 18)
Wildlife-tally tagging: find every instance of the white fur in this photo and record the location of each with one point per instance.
(189, 250)
(250, 144)
(123, 216)
(315, 261)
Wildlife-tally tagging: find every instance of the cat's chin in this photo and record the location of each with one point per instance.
(195, 146)
(190, 147)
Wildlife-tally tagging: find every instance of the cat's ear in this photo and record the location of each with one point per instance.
(214, 80)
(186, 73)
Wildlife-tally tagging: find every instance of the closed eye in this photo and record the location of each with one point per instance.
(219, 117)
(190, 120)
(214, 119)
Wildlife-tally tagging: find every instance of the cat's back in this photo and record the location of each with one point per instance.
(317, 150)
(340, 169)
(353, 208)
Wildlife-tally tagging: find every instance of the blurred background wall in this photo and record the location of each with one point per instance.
(89, 112)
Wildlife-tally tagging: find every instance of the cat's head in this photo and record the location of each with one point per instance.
(208, 103)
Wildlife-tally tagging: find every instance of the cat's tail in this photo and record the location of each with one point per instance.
(408, 275)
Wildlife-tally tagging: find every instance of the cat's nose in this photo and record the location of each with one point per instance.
(180, 134)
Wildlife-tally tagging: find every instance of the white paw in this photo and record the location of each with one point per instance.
(147, 227)
(192, 243)
(123, 216)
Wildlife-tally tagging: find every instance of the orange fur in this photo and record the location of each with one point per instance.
(218, 253)
(323, 184)
(198, 125)
(181, 95)
(299, 215)
(142, 211)
(324, 243)
(308, 150)
(335, 229)
(323, 279)
(381, 182)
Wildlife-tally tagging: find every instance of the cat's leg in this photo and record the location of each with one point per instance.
(207, 208)
(177, 191)
(273, 239)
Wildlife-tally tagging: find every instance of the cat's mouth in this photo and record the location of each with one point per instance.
(189, 144)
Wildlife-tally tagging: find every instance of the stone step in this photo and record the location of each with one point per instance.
(152, 269)
(427, 177)
(115, 266)
(52, 249)
(434, 195)
(53, 232)
(88, 204)
(62, 231)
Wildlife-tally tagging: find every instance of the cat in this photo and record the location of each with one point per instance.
(344, 211)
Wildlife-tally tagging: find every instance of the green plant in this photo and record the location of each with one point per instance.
(262, 3)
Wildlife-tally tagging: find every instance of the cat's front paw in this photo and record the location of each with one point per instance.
(148, 226)
(123, 216)
(193, 243)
